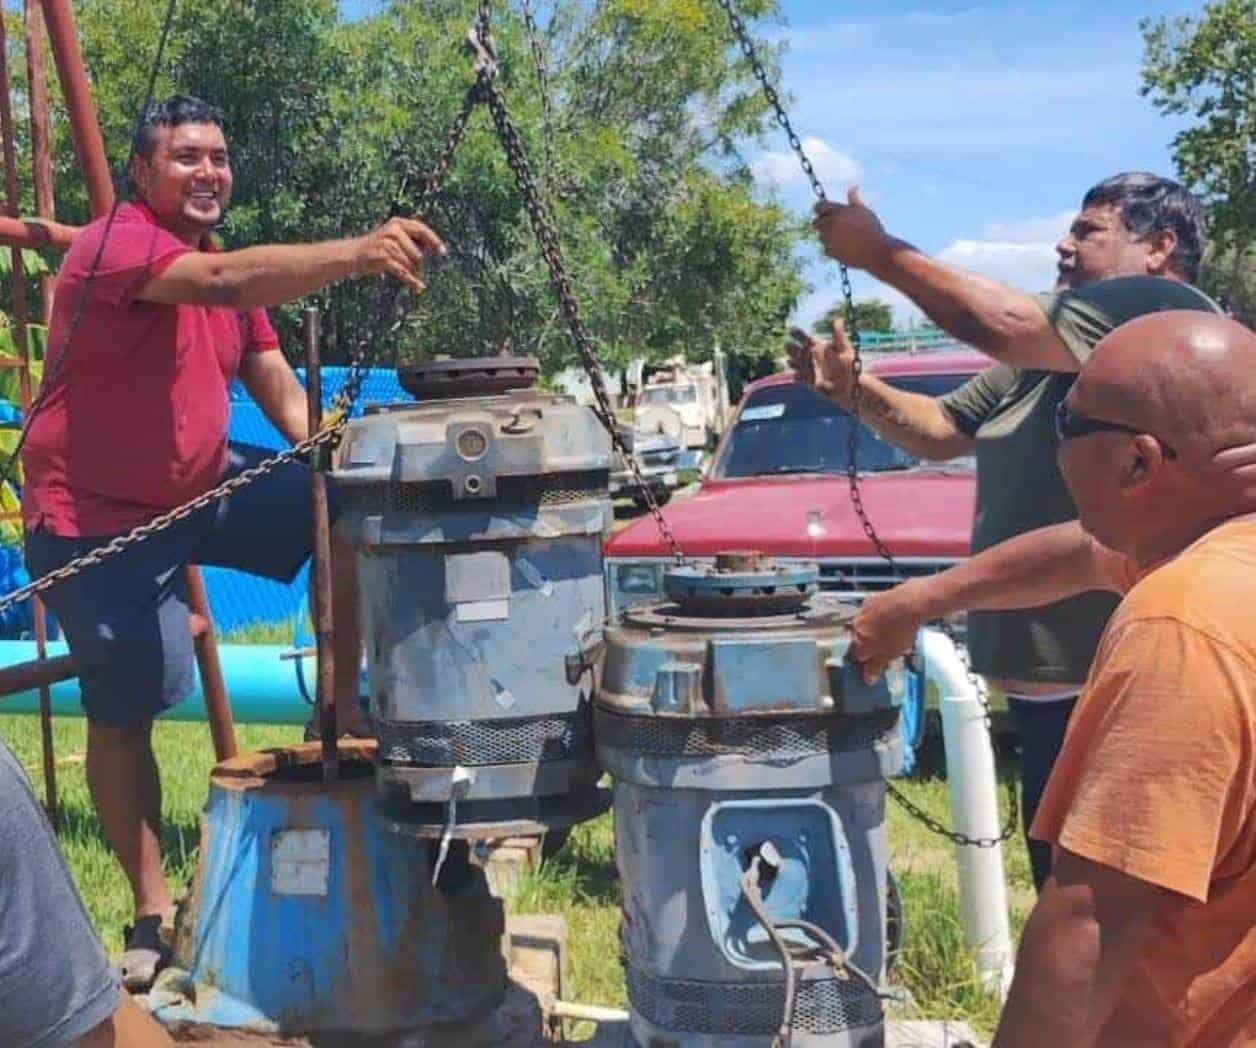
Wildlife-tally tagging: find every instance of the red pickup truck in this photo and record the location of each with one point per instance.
(777, 483)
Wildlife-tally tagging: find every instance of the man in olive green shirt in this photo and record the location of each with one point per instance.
(1132, 249)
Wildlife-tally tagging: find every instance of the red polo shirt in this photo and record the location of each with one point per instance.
(135, 421)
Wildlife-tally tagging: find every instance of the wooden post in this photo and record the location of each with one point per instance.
(320, 572)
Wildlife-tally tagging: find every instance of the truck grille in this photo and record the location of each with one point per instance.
(854, 578)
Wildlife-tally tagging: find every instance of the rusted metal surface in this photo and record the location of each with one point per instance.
(23, 676)
(213, 685)
(307, 919)
(21, 338)
(320, 569)
(41, 129)
(741, 585)
(89, 146)
(468, 377)
(35, 233)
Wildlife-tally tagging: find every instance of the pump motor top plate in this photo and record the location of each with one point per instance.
(741, 584)
(469, 377)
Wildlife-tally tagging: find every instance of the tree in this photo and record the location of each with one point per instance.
(1205, 68)
(639, 153)
(871, 314)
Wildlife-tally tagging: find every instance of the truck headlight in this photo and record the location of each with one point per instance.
(639, 579)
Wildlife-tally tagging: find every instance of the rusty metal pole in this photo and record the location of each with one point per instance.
(89, 146)
(21, 339)
(213, 687)
(41, 130)
(320, 572)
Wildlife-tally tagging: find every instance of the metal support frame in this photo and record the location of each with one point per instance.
(17, 233)
(320, 574)
(21, 340)
(89, 145)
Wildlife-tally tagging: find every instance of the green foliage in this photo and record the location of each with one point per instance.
(1205, 69)
(1229, 276)
(669, 249)
(871, 314)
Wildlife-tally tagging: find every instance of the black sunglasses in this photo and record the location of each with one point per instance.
(1072, 424)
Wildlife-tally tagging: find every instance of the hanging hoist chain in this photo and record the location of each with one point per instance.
(391, 293)
(547, 238)
(326, 437)
(747, 45)
(543, 83)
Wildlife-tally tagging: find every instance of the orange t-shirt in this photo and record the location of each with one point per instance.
(1157, 779)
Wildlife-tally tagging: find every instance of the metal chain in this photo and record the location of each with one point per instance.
(747, 45)
(390, 293)
(543, 83)
(341, 408)
(171, 517)
(547, 238)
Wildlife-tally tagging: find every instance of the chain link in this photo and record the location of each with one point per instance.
(341, 408)
(747, 46)
(547, 238)
(543, 84)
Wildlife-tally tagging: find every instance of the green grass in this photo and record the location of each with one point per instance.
(579, 883)
(185, 754)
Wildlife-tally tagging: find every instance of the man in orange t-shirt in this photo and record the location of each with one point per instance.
(1145, 933)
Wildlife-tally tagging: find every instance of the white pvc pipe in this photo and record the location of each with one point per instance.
(589, 1012)
(974, 809)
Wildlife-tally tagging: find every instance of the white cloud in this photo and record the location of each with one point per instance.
(1029, 230)
(1029, 266)
(784, 171)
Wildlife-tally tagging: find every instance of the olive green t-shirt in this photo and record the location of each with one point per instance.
(1011, 413)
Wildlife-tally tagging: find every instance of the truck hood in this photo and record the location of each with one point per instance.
(917, 513)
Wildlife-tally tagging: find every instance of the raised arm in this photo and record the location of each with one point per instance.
(269, 274)
(1001, 321)
(1036, 568)
(914, 422)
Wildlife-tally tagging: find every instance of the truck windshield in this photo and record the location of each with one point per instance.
(791, 429)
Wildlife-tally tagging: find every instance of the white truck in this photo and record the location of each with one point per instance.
(687, 402)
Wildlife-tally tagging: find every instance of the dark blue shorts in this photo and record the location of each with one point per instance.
(126, 619)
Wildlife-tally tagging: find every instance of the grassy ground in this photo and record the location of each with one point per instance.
(580, 883)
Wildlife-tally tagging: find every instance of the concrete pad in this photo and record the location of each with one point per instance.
(900, 1033)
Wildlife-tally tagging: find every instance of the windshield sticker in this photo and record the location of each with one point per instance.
(763, 411)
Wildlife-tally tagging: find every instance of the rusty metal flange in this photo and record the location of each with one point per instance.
(468, 377)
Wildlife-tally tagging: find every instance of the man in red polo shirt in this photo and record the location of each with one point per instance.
(150, 326)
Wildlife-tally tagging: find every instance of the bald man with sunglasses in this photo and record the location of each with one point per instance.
(1145, 932)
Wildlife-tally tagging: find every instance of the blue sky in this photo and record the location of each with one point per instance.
(973, 128)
